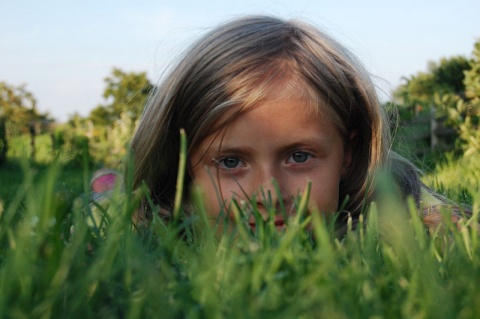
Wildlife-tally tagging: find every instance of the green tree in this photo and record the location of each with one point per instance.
(465, 115)
(125, 95)
(472, 77)
(445, 77)
(18, 108)
(449, 74)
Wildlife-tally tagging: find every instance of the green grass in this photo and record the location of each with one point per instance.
(62, 257)
(16, 172)
(456, 178)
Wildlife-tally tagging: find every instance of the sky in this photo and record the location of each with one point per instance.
(62, 50)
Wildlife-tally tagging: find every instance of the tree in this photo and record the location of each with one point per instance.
(437, 93)
(470, 128)
(18, 108)
(125, 93)
(463, 111)
(446, 77)
(449, 74)
(472, 77)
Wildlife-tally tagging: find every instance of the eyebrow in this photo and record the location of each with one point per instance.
(321, 144)
(216, 150)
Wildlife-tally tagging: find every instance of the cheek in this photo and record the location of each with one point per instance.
(325, 200)
(214, 192)
(324, 195)
(204, 184)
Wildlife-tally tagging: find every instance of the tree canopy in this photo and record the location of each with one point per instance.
(445, 77)
(472, 76)
(452, 87)
(125, 93)
(18, 108)
(467, 113)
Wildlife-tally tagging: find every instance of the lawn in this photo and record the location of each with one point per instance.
(64, 257)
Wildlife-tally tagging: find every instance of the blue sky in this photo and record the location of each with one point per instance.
(62, 50)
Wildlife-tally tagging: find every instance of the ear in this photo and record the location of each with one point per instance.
(347, 153)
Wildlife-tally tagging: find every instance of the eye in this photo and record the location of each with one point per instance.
(299, 157)
(229, 162)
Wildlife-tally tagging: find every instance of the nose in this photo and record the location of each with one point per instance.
(270, 192)
(268, 195)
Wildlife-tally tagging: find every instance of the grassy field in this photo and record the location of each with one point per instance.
(62, 257)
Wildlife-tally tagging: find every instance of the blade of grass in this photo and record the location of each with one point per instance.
(180, 175)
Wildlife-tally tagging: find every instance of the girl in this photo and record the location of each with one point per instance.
(268, 102)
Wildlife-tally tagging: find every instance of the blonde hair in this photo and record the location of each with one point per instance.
(234, 66)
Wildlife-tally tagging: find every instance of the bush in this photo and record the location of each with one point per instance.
(103, 146)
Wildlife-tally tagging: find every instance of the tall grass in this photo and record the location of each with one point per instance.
(65, 257)
(456, 178)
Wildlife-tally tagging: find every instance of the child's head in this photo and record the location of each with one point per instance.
(261, 98)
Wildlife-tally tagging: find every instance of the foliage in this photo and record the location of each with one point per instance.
(72, 142)
(472, 77)
(107, 144)
(62, 144)
(125, 93)
(445, 96)
(20, 148)
(18, 108)
(59, 261)
(3, 141)
(446, 77)
(449, 74)
(104, 134)
(463, 113)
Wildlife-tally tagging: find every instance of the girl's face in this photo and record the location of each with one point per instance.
(282, 140)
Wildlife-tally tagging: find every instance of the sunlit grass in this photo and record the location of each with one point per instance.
(456, 178)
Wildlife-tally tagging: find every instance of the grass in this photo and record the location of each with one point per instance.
(63, 256)
(457, 179)
(15, 172)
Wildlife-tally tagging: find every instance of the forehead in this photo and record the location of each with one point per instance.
(249, 97)
(246, 91)
(278, 117)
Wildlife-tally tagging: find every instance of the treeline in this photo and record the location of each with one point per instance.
(109, 126)
(18, 115)
(447, 95)
(101, 137)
